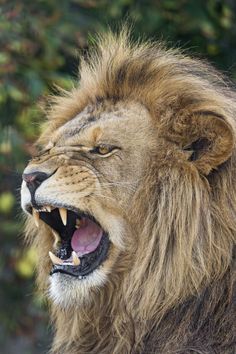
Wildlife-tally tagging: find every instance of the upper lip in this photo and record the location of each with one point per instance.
(48, 207)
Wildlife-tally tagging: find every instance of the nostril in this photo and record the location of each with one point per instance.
(35, 178)
(33, 181)
(28, 178)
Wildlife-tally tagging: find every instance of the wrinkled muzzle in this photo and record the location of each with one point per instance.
(62, 196)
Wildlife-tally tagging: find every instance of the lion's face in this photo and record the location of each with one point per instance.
(81, 186)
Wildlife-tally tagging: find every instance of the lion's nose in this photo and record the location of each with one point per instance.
(34, 179)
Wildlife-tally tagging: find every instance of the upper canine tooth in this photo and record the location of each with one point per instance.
(36, 217)
(75, 258)
(55, 259)
(63, 214)
(48, 208)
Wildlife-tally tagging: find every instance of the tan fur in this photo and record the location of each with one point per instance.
(176, 217)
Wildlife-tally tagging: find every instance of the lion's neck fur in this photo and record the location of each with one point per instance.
(184, 255)
(193, 325)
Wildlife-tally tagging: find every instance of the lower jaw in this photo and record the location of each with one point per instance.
(88, 262)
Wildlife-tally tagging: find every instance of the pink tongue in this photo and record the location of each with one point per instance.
(87, 238)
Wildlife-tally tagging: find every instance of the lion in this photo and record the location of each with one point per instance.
(131, 204)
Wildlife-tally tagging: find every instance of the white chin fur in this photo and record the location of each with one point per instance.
(67, 291)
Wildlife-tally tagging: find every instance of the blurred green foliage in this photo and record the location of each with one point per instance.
(39, 45)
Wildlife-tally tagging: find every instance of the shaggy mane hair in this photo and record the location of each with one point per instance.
(174, 292)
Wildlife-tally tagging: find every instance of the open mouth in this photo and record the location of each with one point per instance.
(81, 243)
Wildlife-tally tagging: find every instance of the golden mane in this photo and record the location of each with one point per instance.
(118, 69)
(190, 238)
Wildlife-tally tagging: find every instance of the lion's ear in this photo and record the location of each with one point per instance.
(210, 140)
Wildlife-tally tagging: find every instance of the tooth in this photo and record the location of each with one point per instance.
(36, 217)
(77, 223)
(63, 214)
(55, 259)
(75, 258)
(48, 208)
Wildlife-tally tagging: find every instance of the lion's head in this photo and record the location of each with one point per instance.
(132, 190)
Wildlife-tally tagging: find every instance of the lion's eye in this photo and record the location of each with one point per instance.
(103, 149)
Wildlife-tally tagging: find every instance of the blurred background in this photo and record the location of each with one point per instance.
(39, 45)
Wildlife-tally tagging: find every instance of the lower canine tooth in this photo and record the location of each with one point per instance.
(55, 259)
(36, 217)
(76, 260)
(63, 214)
